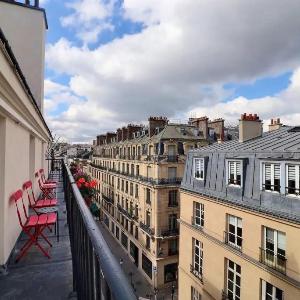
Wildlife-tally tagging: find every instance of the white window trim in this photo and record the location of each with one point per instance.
(199, 272)
(228, 172)
(236, 226)
(263, 290)
(262, 179)
(297, 178)
(235, 273)
(201, 210)
(194, 168)
(275, 239)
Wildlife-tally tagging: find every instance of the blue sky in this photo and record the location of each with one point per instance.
(119, 61)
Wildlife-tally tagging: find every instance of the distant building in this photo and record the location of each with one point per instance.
(240, 216)
(139, 170)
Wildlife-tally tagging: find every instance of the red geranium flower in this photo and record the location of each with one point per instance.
(87, 184)
(93, 183)
(81, 180)
(78, 184)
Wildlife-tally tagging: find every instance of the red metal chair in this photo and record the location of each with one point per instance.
(33, 226)
(44, 180)
(42, 205)
(48, 189)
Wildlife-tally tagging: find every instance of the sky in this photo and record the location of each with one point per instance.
(114, 62)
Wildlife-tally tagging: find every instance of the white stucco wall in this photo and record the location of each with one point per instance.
(25, 29)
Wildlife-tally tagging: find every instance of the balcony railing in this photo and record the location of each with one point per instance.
(168, 232)
(126, 213)
(273, 261)
(146, 228)
(96, 272)
(233, 240)
(108, 199)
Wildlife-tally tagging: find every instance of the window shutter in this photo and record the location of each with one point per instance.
(238, 168)
(291, 173)
(276, 171)
(267, 172)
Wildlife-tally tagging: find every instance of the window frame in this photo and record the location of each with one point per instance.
(272, 181)
(235, 234)
(201, 216)
(234, 281)
(197, 259)
(274, 289)
(235, 161)
(203, 167)
(297, 180)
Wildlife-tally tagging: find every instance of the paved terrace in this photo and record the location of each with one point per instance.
(37, 277)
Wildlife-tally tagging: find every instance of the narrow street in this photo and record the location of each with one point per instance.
(142, 287)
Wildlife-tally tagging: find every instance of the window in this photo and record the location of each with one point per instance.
(198, 214)
(197, 266)
(170, 272)
(273, 253)
(124, 240)
(131, 189)
(173, 247)
(126, 187)
(195, 295)
(235, 172)
(137, 170)
(148, 218)
(270, 292)
(293, 180)
(199, 168)
(172, 173)
(147, 265)
(234, 233)
(271, 177)
(173, 198)
(148, 196)
(233, 280)
(117, 232)
(136, 191)
(148, 243)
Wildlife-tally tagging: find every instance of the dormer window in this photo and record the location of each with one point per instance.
(199, 168)
(293, 179)
(271, 177)
(234, 172)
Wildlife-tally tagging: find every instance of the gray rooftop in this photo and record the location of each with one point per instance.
(281, 146)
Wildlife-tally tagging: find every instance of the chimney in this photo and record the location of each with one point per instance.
(218, 126)
(156, 122)
(201, 124)
(119, 134)
(110, 136)
(275, 124)
(250, 127)
(124, 133)
(131, 129)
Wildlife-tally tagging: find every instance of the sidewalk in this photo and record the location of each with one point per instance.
(142, 287)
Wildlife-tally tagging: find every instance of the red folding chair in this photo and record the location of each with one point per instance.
(42, 205)
(44, 180)
(32, 226)
(48, 189)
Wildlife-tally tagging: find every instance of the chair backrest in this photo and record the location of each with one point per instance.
(36, 175)
(42, 173)
(27, 186)
(17, 197)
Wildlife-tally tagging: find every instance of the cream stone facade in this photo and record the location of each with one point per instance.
(240, 219)
(24, 135)
(139, 170)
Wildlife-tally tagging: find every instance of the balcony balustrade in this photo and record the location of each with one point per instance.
(126, 213)
(196, 273)
(146, 228)
(277, 262)
(167, 232)
(108, 199)
(96, 272)
(233, 240)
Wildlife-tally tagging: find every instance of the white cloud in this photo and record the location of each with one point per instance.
(89, 18)
(179, 62)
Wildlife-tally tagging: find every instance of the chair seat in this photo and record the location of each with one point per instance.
(45, 203)
(49, 186)
(43, 219)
